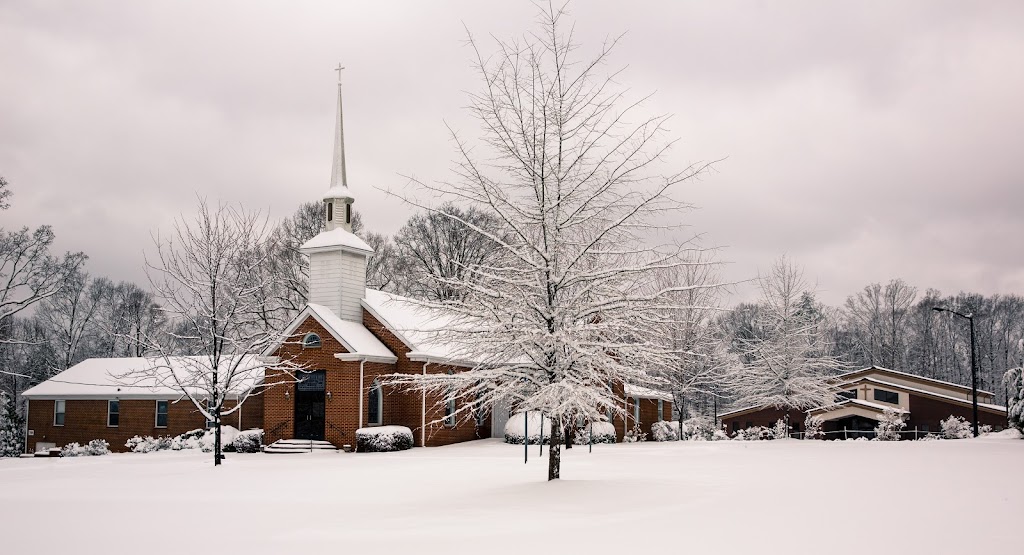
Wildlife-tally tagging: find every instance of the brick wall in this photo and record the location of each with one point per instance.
(86, 420)
(764, 417)
(926, 411)
(399, 407)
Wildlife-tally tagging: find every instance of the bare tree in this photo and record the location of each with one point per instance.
(788, 362)
(567, 166)
(28, 272)
(209, 278)
(70, 318)
(440, 249)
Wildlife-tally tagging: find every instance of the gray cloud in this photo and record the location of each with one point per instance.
(865, 140)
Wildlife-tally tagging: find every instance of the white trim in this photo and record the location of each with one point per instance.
(64, 413)
(118, 401)
(351, 357)
(925, 392)
(423, 413)
(354, 250)
(156, 412)
(319, 341)
(362, 385)
(909, 375)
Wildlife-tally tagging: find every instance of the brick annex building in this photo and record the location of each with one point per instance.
(346, 339)
(866, 393)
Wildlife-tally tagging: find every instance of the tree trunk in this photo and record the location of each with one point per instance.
(570, 436)
(216, 435)
(554, 452)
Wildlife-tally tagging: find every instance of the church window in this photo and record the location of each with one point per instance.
(887, 396)
(113, 413)
(348, 213)
(58, 413)
(330, 211)
(661, 410)
(636, 411)
(374, 402)
(161, 414)
(311, 341)
(851, 394)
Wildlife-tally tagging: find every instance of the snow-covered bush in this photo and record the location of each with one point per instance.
(191, 439)
(665, 431)
(203, 439)
(248, 441)
(604, 432)
(812, 427)
(635, 435)
(383, 438)
(930, 437)
(889, 425)
(780, 430)
(10, 428)
(1014, 380)
(753, 433)
(515, 428)
(698, 428)
(95, 447)
(720, 434)
(956, 427)
(147, 444)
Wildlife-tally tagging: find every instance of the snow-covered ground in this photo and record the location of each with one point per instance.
(724, 497)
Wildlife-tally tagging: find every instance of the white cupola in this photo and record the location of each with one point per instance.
(337, 257)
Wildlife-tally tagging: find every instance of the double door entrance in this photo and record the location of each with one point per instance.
(310, 404)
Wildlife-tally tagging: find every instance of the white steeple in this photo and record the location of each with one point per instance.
(338, 199)
(337, 257)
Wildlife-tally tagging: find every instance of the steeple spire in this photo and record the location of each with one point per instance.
(338, 199)
(338, 177)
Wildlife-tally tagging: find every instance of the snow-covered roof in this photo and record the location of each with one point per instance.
(908, 376)
(337, 238)
(415, 325)
(357, 340)
(338, 191)
(109, 378)
(638, 392)
(922, 392)
(862, 403)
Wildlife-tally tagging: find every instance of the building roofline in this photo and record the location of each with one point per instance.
(909, 376)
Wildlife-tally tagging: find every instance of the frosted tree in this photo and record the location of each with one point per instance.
(209, 277)
(787, 362)
(11, 439)
(569, 167)
(890, 424)
(1014, 380)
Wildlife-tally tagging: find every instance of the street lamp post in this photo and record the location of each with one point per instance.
(974, 365)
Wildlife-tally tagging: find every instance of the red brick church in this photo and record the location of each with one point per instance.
(348, 338)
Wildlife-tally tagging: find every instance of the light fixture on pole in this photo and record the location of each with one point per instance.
(974, 365)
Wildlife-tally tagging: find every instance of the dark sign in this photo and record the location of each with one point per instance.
(314, 381)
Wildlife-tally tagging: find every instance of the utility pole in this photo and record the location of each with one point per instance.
(974, 364)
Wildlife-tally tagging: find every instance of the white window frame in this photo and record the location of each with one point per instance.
(109, 413)
(661, 409)
(449, 408)
(380, 404)
(64, 413)
(305, 339)
(156, 416)
(636, 411)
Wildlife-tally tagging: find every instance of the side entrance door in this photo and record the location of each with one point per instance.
(310, 405)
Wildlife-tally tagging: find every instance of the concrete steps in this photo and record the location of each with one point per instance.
(299, 446)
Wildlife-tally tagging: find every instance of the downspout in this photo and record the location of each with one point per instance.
(27, 401)
(423, 412)
(362, 362)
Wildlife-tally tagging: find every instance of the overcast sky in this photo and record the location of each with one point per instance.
(865, 140)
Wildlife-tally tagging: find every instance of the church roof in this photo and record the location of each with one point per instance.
(354, 336)
(415, 325)
(123, 378)
(911, 377)
(337, 238)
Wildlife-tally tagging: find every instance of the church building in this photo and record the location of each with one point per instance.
(347, 339)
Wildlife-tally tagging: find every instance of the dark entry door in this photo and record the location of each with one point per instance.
(309, 405)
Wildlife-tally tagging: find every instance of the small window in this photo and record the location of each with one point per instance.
(311, 341)
(113, 413)
(374, 402)
(161, 414)
(58, 413)
(348, 213)
(636, 411)
(209, 410)
(661, 409)
(330, 211)
(887, 396)
(851, 394)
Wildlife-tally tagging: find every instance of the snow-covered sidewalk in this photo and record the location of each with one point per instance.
(479, 497)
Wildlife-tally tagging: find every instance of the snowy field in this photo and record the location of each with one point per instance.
(725, 497)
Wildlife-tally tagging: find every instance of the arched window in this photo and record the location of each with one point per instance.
(449, 407)
(374, 401)
(311, 341)
(330, 211)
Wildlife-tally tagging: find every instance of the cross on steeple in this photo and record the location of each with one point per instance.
(338, 69)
